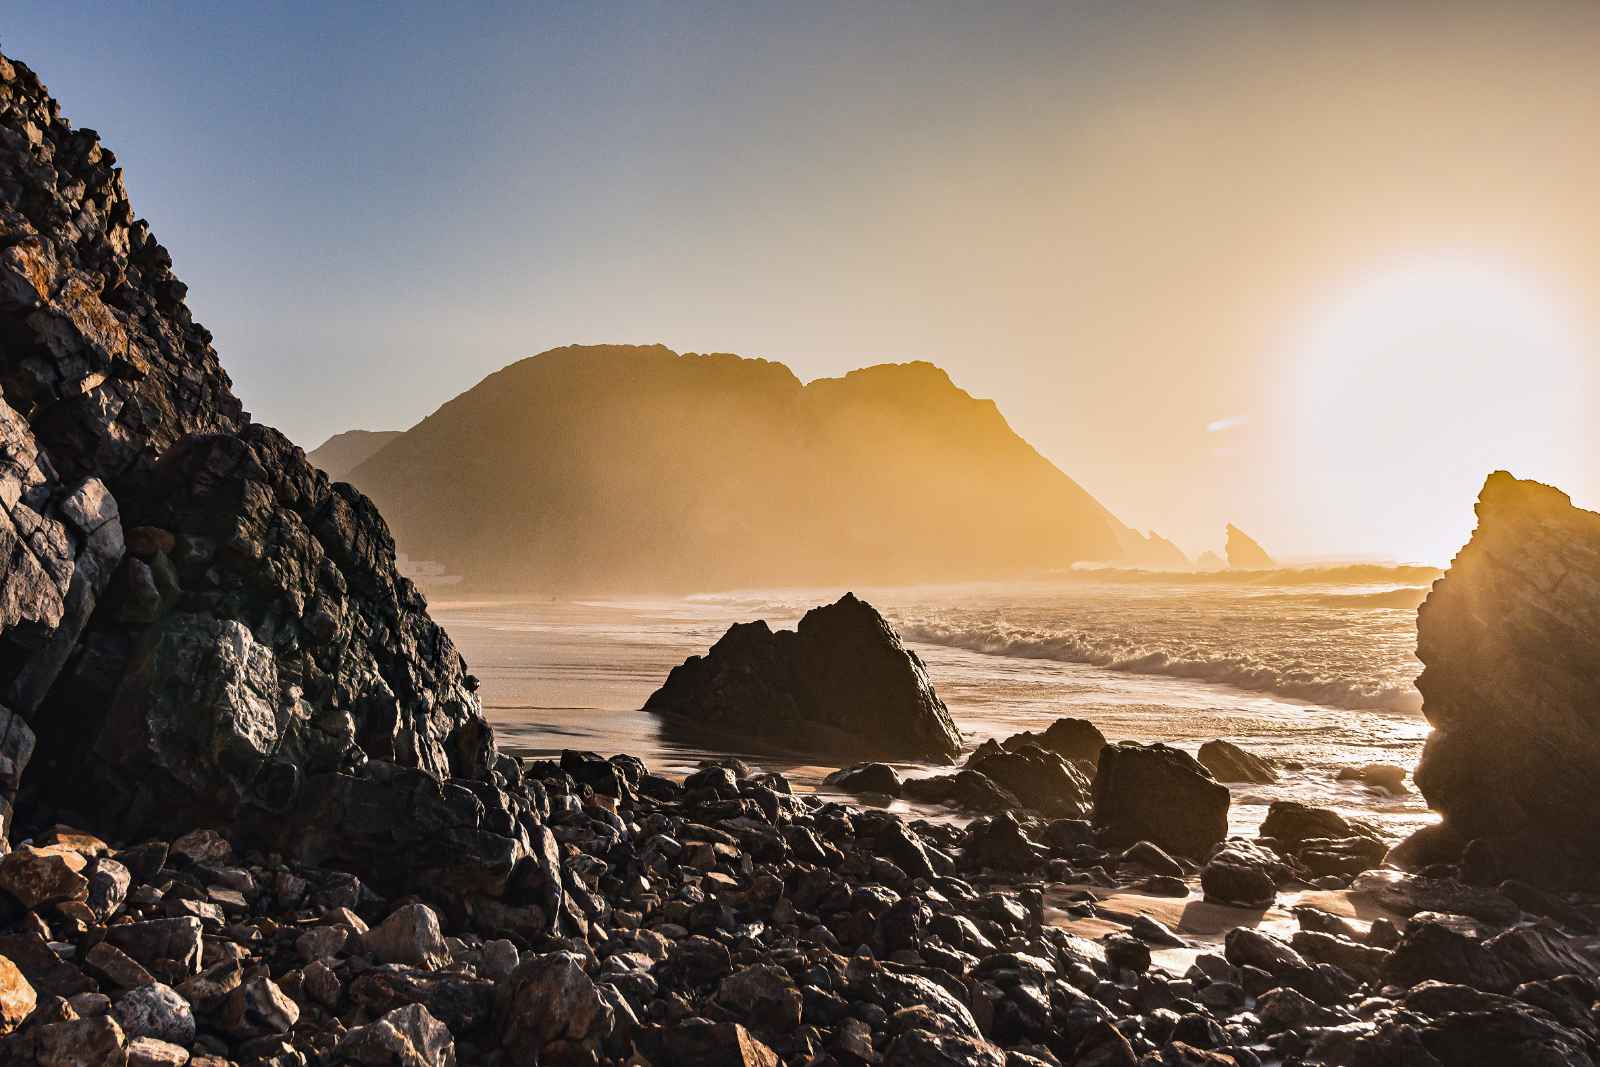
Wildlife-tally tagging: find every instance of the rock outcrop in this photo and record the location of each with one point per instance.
(840, 683)
(1244, 554)
(1509, 639)
(196, 627)
(1227, 762)
(1160, 794)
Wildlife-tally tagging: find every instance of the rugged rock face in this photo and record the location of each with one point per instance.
(1510, 642)
(1159, 794)
(840, 683)
(196, 628)
(1244, 553)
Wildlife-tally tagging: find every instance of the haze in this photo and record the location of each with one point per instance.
(1313, 269)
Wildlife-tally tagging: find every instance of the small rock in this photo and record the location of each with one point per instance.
(155, 1010)
(410, 935)
(404, 1037)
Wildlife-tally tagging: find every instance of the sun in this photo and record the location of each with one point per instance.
(1415, 382)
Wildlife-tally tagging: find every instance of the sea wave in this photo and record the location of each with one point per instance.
(1238, 671)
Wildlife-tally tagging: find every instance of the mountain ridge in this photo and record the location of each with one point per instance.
(637, 468)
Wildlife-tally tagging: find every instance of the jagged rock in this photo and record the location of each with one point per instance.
(764, 996)
(1228, 762)
(38, 876)
(96, 1041)
(1507, 639)
(965, 789)
(1244, 553)
(404, 1037)
(840, 682)
(258, 1008)
(410, 935)
(547, 1009)
(1158, 794)
(699, 1041)
(153, 1052)
(1038, 777)
(17, 996)
(1072, 739)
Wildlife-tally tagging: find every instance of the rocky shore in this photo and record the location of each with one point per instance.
(253, 813)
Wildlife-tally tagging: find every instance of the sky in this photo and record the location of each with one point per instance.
(1313, 269)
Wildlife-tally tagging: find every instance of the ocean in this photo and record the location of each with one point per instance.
(1312, 669)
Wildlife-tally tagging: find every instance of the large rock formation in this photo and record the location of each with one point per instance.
(196, 627)
(1244, 554)
(839, 684)
(344, 452)
(1510, 643)
(1160, 794)
(605, 468)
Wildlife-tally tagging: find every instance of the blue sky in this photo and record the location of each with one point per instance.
(1116, 220)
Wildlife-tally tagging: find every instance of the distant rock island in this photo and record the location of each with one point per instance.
(1244, 554)
(344, 452)
(595, 468)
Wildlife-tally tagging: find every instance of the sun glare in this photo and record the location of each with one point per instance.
(1421, 378)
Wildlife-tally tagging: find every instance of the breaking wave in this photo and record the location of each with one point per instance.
(1238, 671)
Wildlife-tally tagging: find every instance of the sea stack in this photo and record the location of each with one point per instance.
(1245, 554)
(1510, 643)
(839, 684)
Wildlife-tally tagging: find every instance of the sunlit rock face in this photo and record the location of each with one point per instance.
(841, 683)
(195, 625)
(1510, 642)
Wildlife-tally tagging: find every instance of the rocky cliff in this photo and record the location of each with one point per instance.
(196, 626)
(636, 468)
(344, 452)
(1510, 643)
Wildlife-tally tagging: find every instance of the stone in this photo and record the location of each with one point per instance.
(115, 967)
(1038, 777)
(157, 1011)
(258, 1008)
(39, 876)
(965, 789)
(1243, 875)
(17, 996)
(410, 935)
(1227, 762)
(764, 996)
(92, 1042)
(1078, 740)
(152, 1052)
(709, 1044)
(548, 1004)
(924, 1048)
(1385, 776)
(178, 940)
(1507, 639)
(1248, 947)
(1153, 858)
(842, 681)
(1292, 824)
(1158, 794)
(866, 778)
(404, 1037)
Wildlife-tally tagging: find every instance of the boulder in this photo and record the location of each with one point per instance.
(969, 790)
(1242, 874)
(155, 1010)
(1389, 777)
(841, 682)
(1159, 794)
(879, 778)
(410, 935)
(1292, 824)
(1227, 762)
(1508, 639)
(1072, 739)
(1039, 777)
(404, 1037)
(17, 996)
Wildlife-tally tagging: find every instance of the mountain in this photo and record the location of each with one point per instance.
(609, 467)
(344, 452)
(1244, 554)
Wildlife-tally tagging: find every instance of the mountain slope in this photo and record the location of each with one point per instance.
(594, 468)
(344, 452)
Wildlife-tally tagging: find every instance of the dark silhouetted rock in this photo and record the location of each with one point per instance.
(1160, 794)
(1508, 639)
(1073, 739)
(866, 778)
(840, 682)
(1228, 762)
(1242, 874)
(1040, 778)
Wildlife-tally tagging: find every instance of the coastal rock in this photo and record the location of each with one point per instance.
(1386, 776)
(1159, 794)
(1244, 553)
(1072, 739)
(1228, 762)
(1039, 777)
(840, 682)
(1242, 874)
(879, 778)
(968, 790)
(1508, 638)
